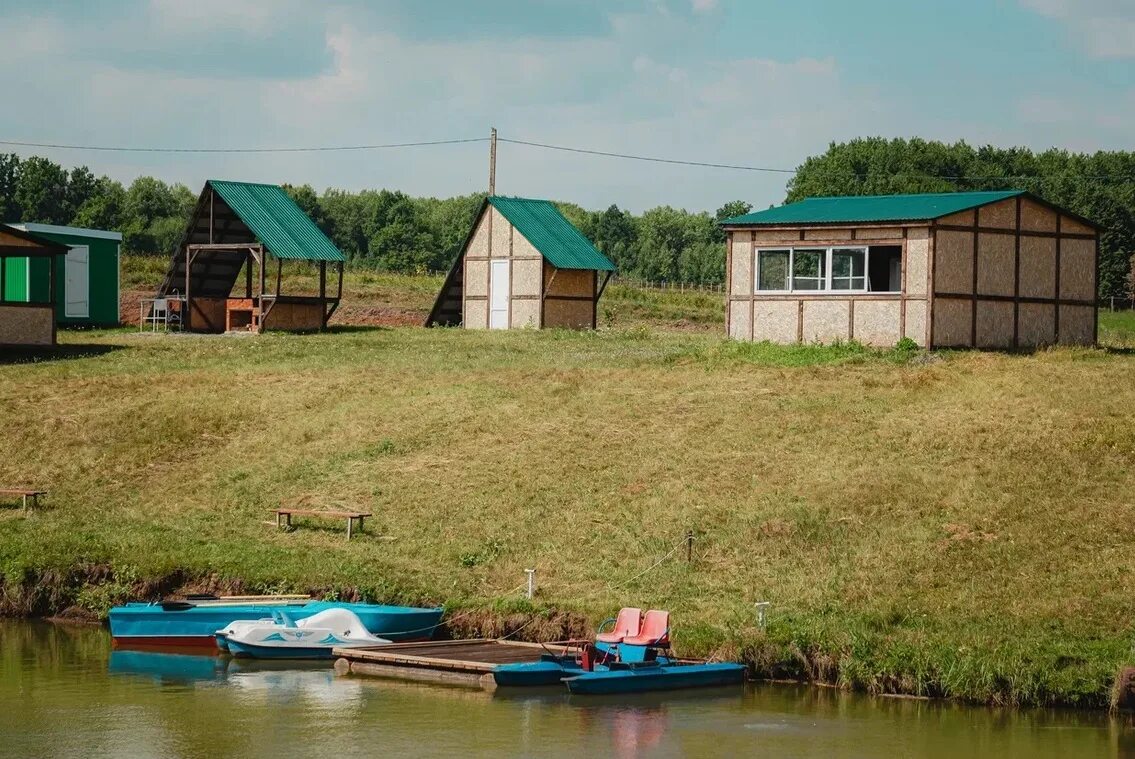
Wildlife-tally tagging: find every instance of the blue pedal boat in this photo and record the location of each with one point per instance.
(654, 676)
(194, 622)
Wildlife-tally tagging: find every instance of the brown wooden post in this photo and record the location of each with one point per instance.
(211, 196)
(279, 274)
(187, 318)
(3, 277)
(322, 295)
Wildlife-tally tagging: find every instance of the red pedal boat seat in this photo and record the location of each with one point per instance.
(655, 630)
(627, 623)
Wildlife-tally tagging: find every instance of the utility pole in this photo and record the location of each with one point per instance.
(493, 162)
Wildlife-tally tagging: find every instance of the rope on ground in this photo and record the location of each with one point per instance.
(671, 552)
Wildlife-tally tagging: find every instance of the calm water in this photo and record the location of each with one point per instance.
(64, 693)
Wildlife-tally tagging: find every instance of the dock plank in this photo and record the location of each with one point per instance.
(464, 660)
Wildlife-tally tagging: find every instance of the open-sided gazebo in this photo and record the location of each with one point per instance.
(26, 320)
(241, 226)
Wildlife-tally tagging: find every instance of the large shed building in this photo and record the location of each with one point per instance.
(997, 270)
(522, 265)
(87, 289)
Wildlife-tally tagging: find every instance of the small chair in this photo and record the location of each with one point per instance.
(655, 631)
(627, 623)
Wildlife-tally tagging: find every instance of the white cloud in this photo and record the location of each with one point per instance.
(1105, 28)
(703, 6)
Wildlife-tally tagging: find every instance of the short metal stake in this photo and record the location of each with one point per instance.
(761, 607)
(531, 581)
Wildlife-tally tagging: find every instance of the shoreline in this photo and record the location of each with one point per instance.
(767, 661)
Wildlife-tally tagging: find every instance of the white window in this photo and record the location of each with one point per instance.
(836, 269)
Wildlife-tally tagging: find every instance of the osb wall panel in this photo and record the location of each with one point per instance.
(479, 243)
(1036, 325)
(476, 278)
(521, 248)
(1037, 218)
(916, 313)
(294, 316)
(952, 323)
(1077, 325)
(476, 314)
(964, 218)
(526, 273)
(775, 320)
(953, 262)
(1038, 267)
(879, 234)
(826, 321)
(776, 237)
(995, 264)
(1077, 266)
(827, 234)
(877, 322)
(26, 325)
(739, 326)
(525, 313)
(576, 282)
(208, 314)
(1072, 226)
(571, 314)
(917, 261)
(741, 265)
(501, 244)
(1001, 215)
(994, 324)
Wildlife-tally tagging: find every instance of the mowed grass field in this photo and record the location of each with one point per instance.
(955, 524)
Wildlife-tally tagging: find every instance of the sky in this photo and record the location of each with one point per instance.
(762, 83)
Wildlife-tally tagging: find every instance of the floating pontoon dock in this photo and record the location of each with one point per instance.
(458, 662)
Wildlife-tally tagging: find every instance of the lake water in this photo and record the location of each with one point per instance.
(63, 692)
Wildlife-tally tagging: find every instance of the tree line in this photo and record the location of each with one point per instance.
(1099, 186)
(390, 230)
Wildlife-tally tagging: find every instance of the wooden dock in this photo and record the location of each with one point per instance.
(458, 662)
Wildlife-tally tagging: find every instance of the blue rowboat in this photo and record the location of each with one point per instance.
(654, 676)
(194, 623)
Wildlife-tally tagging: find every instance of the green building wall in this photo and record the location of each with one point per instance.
(103, 273)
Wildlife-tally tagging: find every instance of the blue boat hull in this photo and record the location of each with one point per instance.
(548, 671)
(272, 652)
(139, 624)
(655, 678)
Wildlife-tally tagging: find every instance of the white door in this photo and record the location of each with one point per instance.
(498, 295)
(77, 283)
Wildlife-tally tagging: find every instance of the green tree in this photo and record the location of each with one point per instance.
(41, 192)
(9, 175)
(104, 209)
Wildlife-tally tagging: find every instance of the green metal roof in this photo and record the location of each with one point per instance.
(277, 221)
(555, 237)
(866, 208)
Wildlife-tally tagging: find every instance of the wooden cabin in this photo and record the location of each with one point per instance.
(522, 265)
(27, 319)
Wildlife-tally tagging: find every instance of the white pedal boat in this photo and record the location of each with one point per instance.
(281, 637)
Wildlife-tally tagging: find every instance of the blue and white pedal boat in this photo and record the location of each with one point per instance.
(282, 637)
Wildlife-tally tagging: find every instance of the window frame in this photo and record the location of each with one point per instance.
(827, 262)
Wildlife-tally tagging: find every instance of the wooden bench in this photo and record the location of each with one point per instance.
(284, 517)
(25, 494)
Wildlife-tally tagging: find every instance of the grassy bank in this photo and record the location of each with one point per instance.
(954, 525)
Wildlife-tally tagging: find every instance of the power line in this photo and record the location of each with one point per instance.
(566, 149)
(647, 158)
(324, 149)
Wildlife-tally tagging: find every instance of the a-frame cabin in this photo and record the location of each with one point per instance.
(242, 226)
(522, 265)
